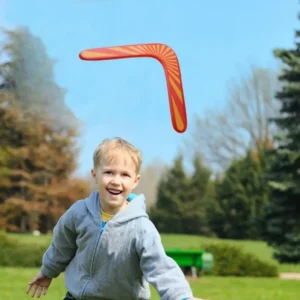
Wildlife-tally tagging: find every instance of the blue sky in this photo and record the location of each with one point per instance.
(214, 41)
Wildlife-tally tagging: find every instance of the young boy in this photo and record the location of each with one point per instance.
(106, 244)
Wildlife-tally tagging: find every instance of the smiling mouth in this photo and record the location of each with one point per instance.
(114, 192)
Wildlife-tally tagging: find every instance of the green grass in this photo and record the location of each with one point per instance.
(258, 248)
(13, 283)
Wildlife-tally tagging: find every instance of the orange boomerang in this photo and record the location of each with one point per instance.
(167, 57)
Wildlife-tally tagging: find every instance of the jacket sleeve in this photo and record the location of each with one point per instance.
(63, 246)
(159, 269)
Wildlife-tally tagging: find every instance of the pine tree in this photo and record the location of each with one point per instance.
(282, 214)
(240, 198)
(167, 215)
(195, 207)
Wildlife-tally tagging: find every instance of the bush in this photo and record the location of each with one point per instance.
(231, 260)
(4, 240)
(16, 254)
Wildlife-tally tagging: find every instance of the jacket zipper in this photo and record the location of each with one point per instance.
(94, 254)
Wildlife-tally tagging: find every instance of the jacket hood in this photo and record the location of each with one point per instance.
(136, 208)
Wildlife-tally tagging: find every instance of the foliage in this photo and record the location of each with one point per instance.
(28, 72)
(240, 200)
(182, 199)
(282, 215)
(167, 214)
(231, 260)
(16, 254)
(197, 200)
(36, 163)
(37, 154)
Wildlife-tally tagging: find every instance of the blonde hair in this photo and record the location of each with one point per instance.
(111, 150)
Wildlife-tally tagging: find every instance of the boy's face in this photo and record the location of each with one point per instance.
(115, 182)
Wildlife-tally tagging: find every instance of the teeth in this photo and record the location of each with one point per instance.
(115, 192)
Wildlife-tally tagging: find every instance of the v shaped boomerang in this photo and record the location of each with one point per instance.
(167, 57)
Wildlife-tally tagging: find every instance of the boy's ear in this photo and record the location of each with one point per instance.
(137, 180)
(93, 173)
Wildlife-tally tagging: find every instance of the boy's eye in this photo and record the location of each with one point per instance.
(110, 173)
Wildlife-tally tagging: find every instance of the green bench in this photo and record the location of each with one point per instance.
(193, 259)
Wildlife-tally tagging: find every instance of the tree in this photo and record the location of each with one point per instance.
(197, 198)
(13, 137)
(28, 72)
(282, 214)
(35, 162)
(240, 200)
(182, 200)
(38, 150)
(62, 197)
(167, 214)
(226, 135)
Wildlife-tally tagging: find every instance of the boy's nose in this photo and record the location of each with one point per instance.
(116, 180)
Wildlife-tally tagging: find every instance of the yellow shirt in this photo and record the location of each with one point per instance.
(105, 216)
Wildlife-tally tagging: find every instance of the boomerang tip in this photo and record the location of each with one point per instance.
(82, 55)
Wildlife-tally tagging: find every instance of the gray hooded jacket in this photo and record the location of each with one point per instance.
(117, 263)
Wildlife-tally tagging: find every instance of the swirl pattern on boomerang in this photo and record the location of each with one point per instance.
(167, 57)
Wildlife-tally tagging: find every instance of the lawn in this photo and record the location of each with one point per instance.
(186, 242)
(13, 283)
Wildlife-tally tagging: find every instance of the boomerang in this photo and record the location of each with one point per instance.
(167, 57)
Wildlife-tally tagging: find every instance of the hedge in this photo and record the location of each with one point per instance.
(16, 254)
(230, 260)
